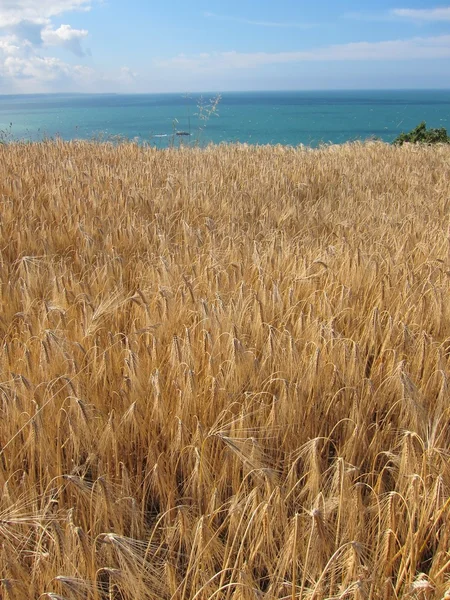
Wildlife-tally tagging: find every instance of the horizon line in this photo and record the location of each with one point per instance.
(234, 91)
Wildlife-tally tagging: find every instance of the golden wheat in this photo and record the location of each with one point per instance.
(224, 372)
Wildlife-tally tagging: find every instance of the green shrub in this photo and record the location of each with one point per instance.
(422, 135)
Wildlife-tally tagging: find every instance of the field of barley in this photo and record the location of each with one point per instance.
(224, 372)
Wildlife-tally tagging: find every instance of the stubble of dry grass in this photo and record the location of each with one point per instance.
(224, 372)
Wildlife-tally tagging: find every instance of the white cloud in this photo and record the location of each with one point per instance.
(27, 33)
(23, 70)
(281, 24)
(41, 69)
(419, 15)
(423, 14)
(30, 22)
(65, 37)
(127, 75)
(362, 15)
(8, 47)
(13, 12)
(409, 49)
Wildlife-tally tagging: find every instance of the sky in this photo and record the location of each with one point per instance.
(145, 46)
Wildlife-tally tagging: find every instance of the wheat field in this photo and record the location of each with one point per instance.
(224, 372)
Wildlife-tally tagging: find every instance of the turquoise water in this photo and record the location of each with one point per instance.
(290, 118)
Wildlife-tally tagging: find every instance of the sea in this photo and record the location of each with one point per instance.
(289, 118)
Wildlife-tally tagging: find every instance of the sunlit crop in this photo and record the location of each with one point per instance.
(224, 372)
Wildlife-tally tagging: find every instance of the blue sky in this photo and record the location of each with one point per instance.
(207, 45)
